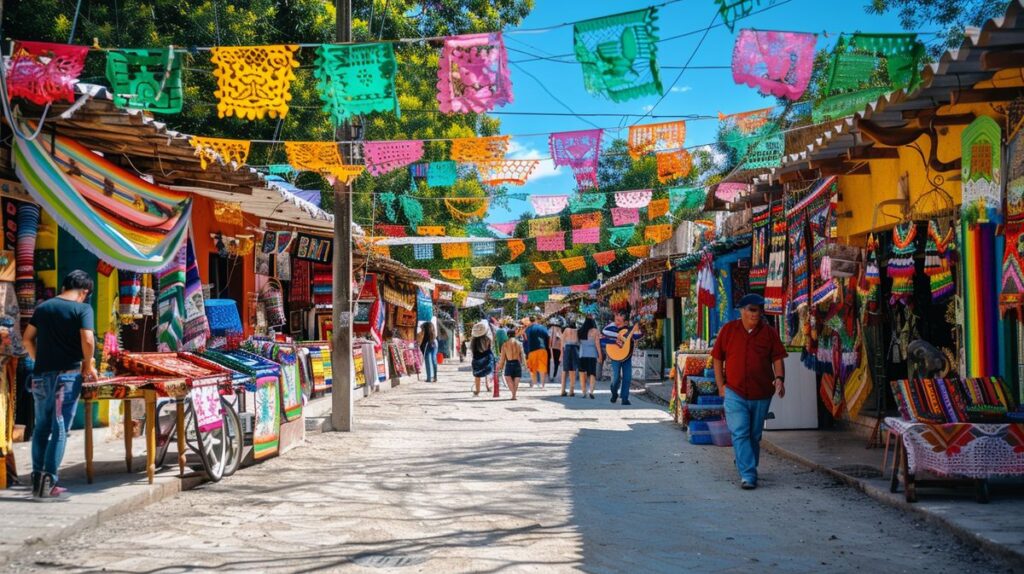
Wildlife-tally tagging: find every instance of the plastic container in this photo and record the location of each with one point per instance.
(710, 373)
(698, 433)
(719, 431)
(710, 400)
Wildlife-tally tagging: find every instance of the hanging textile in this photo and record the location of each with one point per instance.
(657, 208)
(760, 149)
(687, 202)
(129, 296)
(543, 266)
(658, 233)
(506, 171)
(619, 54)
(747, 122)
(625, 216)
(619, 236)
(807, 224)
(385, 156)
(478, 229)
(1011, 295)
(537, 295)
(281, 169)
(253, 81)
(579, 151)
(544, 226)
(382, 250)
(480, 209)
(483, 248)
(441, 174)
(451, 274)
(549, 204)
(472, 150)
(633, 199)
(423, 251)
(356, 79)
(586, 220)
(171, 305)
(24, 270)
(116, 216)
(776, 63)
(454, 250)
(484, 272)
(553, 242)
(866, 66)
(586, 236)
(774, 291)
(390, 230)
(573, 263)
(431, 230)
(821, 222)
(516, 248)
(659, 137)
(604, 258)
(587, 202)
(733, 10)
(473, 74)
(760, 217)
(731, 192)
(982, 200)
(673, 165)
(321, 157)
(937, 266)
(145, 79)
(231, 153)
(505, 228)
(44, 73)
(639, 251)
(412, 210)
(511, 270)
(228, 213)
(901, 263)
(196, 328)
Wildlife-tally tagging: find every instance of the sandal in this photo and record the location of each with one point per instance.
(572, 394)
(564, 393)
(476, 393)
(591, 395)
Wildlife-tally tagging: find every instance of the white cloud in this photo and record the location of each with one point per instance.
(648, 108)
(680, 89)
(546, 168)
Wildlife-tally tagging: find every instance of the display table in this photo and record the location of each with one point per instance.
(686, 364)
(957, 452)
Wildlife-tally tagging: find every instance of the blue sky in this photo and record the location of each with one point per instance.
(698, 91)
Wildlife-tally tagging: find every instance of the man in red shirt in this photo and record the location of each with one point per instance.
(749, 371)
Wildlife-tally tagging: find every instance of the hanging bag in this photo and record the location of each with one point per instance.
(272, 300)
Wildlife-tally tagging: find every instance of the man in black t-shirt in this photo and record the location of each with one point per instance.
(60, 341)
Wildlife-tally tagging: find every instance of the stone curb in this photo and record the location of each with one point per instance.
(1012, 557)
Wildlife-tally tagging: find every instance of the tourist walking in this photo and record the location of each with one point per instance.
(483, 357)
(555, 333)
(619, 337)
(590, 355)
(748, 357)
(570, 359)
(510, 362)
(428, 346)
(60, 340)
(537, 343)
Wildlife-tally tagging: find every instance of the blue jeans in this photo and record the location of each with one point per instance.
(56, 399)
(622, 377)
(430, 362)
(746, 423)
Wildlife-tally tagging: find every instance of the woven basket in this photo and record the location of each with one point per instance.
(272, 300)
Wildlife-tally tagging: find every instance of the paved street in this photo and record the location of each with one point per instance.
(434, 480)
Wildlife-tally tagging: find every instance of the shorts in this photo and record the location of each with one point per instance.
(537, 361)
(588, 365)
(571, 358)
(513, 369)
(482, 366)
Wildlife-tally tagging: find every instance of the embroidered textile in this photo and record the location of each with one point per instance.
(578, 150)
(129, 296)
(965, 450)
(321, 157)
(413, 212)
(505, 228)
(777, 63)
(228, 212)
(472, 150)
(223, 151)
(573, 263)
(454, 250)
(604, 258)
(673, 165)
(544, 226)
(761, 218)
(587, 202)
(733, 10)
(618, 55)
(44, 73)
(196, 328)
(511, 270)
(483, 248)
(664, 136)
(586, 236)
(138, 227)
(300, 294)
(506, 171)
(145, 79)
(587, 220)
(356, 79)
(639, 251)
(384, 156)
(625, 215)
(657, 208)
(253, 81)
(516, 248)
(1011, 295)
(937, 260)
(391, 230)
(901, 263)
(633, 199)
(730, 192)
(658, 233)
(553, 242)
(549, 204)
(171, 305)
(473, 74)
(431, 230)
(481, 203)
(823, 286)
(314, 248)
(619, 236)
(441, 173)
(980, 172)
(422, 251)
(482, 272)
(451, 274)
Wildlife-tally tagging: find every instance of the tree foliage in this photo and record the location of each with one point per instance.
(952, 16)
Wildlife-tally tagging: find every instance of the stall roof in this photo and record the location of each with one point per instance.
(996, 46)
(641, 267)
(380, 264)
(432, 240)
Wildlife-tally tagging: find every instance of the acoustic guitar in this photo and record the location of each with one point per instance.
(621, 350)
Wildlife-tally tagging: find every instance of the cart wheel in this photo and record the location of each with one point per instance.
(236, 440)
(981, 493)
(212, 447)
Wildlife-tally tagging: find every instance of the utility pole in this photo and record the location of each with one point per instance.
(341, 315)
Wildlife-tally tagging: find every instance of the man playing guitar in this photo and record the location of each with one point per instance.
(619, 338)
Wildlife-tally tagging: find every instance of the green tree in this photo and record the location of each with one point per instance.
(952, 16)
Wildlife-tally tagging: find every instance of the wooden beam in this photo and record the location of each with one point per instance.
(985, 95)
(872, 153)
(994, 61)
